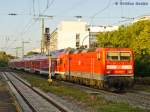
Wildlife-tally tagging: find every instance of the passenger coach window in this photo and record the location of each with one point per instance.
(119, 56)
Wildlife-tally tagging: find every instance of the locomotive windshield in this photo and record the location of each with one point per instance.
(118, 56)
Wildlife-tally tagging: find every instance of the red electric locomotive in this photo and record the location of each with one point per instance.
(101, 67)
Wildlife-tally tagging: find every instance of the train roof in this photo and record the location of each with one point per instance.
(77, 51)
(35, 57)
(30, 57)
(115, 49)
(55, 54)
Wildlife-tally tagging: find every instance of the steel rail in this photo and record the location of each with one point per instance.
(60, 107)
(24, 98)
(131, 98)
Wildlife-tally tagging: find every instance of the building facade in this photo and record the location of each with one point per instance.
(146, 17)
(76, 34)
(69, 34)
(94, 30)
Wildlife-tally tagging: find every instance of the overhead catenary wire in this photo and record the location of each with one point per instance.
(26, 28)
(72, 7)
(39, 7)
(100, 11)
(33, 7)
(49, 4)
(29, 25)
(121, 7)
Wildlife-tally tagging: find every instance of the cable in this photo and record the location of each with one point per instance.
(121, 6)
(29, 25)
(49, 4)
(106, 7)
(74, 6)
(33, 8)
(26, 28)
(121, 22)
(39, 7)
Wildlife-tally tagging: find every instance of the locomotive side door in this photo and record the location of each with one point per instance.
(53, 68)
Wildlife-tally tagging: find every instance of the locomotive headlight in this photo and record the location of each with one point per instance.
(129, 71)
(108, 71)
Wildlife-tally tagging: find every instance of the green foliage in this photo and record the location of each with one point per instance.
(143, 84)
(32, 53)
(4, 58)
(135, 36)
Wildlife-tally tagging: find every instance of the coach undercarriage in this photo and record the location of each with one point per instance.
(107, 82)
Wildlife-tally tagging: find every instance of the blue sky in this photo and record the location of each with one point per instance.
(25, 26)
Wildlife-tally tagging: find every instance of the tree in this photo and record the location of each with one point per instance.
(4, 59)
(31, 53)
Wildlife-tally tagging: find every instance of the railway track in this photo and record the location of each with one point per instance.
(133, 98)
(7, 102)
(5, 69)
(35, 100)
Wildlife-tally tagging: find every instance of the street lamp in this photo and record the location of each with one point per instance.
(78, 17)
(86, 38)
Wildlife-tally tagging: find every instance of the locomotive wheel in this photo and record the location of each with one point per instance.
(119, 83)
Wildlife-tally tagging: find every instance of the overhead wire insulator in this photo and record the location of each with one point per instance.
(12, 14)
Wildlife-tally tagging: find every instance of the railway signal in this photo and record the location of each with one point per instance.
(47, 46)
(42, 17)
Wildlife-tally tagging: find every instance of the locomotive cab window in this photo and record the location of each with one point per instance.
(113, 56)
(125, 56)
(118, 56)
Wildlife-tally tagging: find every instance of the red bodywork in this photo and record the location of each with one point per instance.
(95, 62)
(101, 64)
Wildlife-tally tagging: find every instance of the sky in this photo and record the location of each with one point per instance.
(26, 26)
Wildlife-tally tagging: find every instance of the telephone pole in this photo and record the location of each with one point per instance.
(45, 41)
(23, 42)
(42, 19)
(42, 35)
(16, 49)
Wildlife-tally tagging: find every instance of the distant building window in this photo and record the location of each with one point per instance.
(87, 28)
(77, 40)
